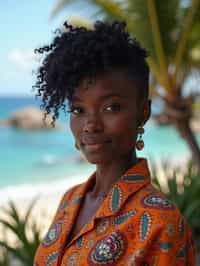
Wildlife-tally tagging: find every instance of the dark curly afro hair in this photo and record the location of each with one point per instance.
(78, 53)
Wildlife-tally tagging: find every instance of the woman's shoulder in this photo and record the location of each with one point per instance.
(160, 215)
(72, 193)
(152, 203)
(70, 196)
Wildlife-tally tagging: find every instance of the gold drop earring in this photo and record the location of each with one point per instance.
(140, 143)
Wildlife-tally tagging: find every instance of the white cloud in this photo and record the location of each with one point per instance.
(16, 71)
(24, 59)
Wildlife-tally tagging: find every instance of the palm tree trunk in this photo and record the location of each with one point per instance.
(185, 131)
(177, 112)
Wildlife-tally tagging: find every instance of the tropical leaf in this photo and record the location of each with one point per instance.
(61, 4)
(26, 248)
(184, 194)
(111, 9)
(183, 43)
(4, 258)
(17, 253)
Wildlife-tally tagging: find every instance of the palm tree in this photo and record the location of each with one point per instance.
(170, 31)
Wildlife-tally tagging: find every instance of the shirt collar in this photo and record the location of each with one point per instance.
(136, 177)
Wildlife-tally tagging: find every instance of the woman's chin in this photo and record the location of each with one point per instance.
(96, 159)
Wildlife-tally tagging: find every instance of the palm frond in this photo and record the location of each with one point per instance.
(30, 208)
(26, 248)
(186, 31)
(111, 9)
(4, 258)
(13, 251)
(158, 42)
(184, 194)
(16, 229)
(59, 6)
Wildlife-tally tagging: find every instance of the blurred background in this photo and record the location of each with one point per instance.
(35, 160)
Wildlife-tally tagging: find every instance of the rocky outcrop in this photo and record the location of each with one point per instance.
(30, 118)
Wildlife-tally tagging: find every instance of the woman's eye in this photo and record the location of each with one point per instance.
(75, 110)
(113, 107)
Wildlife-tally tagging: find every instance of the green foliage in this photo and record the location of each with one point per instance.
(26, 246)
(183, 188)
(197, 106)
(166, 11)
(4, 259)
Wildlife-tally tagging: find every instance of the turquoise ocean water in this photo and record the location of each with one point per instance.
(39, 157)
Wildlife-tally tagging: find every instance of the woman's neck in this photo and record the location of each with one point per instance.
(108, 174)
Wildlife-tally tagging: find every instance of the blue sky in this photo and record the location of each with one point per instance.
(25, 25)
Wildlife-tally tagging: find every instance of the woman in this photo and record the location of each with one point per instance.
(116, 217)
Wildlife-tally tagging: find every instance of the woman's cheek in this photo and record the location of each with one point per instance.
(73, 126)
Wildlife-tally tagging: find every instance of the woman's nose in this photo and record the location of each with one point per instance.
(93, 123)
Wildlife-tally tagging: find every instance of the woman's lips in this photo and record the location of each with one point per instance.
(91, 147)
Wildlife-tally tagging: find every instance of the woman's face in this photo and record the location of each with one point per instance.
(104, 117)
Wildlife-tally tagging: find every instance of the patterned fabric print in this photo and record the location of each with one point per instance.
(165, 246)
(51, 258)
(76, 200)
(90, 243)
(72, 260)
(79, 242)
(157, 202)
(170, 229)
(53, 234)
(135, 258)
(73, 201)
(182, 252)
(108, 250)
(64, 205)
(145, 224)
(181, 226)
(102, 226)
(115, 199)
(133, 178)
(124, 217)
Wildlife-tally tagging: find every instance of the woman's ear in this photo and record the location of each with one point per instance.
(146, 111)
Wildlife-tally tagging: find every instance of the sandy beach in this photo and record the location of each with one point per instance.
(47, 198)
(42, 214)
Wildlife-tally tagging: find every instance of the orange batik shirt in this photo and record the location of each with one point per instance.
(134, 225)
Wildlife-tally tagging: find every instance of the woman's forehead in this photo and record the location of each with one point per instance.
(116, 83)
